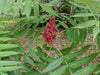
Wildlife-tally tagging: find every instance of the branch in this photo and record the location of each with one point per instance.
(72, 9)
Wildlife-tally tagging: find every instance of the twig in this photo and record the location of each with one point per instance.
(72, 9)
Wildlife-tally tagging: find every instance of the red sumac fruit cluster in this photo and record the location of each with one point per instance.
(50, 32)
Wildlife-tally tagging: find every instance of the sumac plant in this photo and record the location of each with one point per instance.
(43, 22)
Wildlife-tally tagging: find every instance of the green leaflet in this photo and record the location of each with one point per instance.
(9, 63)
(37, 34)
(42, 54)
(6, 38)
(4, 32)
(28, 69)
(53, 65)
(71, 21)
(20, 33)
(30, 45)
(17, 72)
(86, 24)
(6, 6)
(83, 33)
(55, 2)
(59, 71)
(7, 46)
(50, 59)
(8, 53)
(78, 5)
(22, 50)
(65, 51)
(90, 2)
(68, 34)
(48, 9)
(63, 24)
(36, 11)
(79, 19)
(34, 55)
(96, 30)
(83, 15)
(30, 33)
(8, 69)
(40, 65)
(74, 34)
(74, 44)
(29, 60)
(27, 7)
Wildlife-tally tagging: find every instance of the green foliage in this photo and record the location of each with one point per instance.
(67, 57)
(75, 64)
(96, 30)
(30, 18)
(7, 66)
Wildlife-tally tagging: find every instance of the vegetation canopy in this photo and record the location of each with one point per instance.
(49, 37)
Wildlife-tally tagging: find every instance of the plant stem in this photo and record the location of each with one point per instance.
(72, 9)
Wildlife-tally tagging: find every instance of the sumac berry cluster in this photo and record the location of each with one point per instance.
(50, 32)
